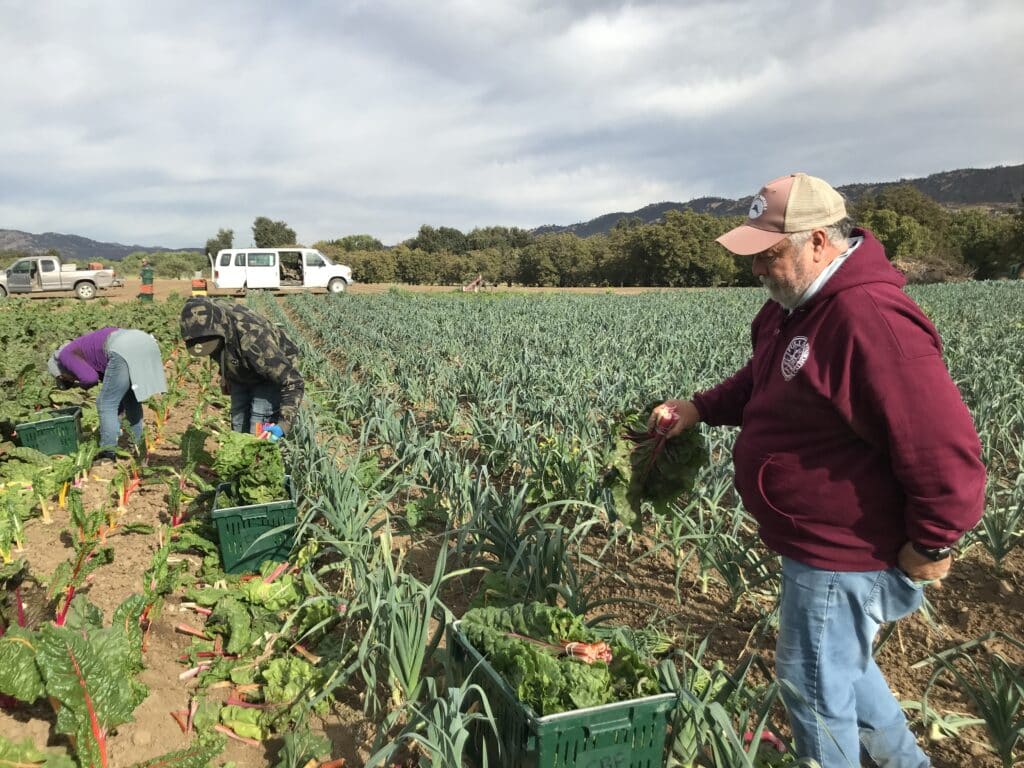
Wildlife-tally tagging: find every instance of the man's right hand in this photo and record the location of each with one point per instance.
(921, 568)
(688, 416)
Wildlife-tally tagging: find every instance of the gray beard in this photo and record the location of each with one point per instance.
(781, 295)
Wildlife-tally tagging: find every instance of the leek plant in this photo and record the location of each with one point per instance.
(722, 718)
(1001, 529)
(994, 685)
(443, 726)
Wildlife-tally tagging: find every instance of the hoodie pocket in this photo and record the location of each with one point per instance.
(770, 467)
(802, 496)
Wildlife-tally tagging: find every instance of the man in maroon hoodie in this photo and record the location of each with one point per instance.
(856, 455)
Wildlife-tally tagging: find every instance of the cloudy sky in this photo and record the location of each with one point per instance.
(159, 123)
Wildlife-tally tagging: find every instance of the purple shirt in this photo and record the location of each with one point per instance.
(85, 358)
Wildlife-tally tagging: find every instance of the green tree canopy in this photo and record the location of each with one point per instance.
(415, 265)
(985, 242)
(167, 264)
(434, 240)
(905, 200)
(502, 238)
(902, 235)
(373, 266)
(225, 238)
(271, 234)
(350, 243)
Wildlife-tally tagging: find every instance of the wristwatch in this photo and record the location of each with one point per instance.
(940, 553)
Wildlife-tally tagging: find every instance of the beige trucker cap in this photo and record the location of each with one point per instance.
(788, 204)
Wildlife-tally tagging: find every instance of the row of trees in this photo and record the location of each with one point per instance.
(677, 252)
(969, 242)
(924, 239)
(171, 264)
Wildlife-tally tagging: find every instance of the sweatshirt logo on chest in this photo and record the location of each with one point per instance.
(796, 355)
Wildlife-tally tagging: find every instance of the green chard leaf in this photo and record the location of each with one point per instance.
(25, 755)
(87, 677)
(19, 675)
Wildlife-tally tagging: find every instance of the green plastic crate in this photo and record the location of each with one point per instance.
(58, 433)
(239, 530)
(626, 734)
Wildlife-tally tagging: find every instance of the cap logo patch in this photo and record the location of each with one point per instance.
(757, 207)
(796, 355)
(198, 312)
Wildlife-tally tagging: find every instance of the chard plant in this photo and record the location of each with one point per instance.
(71, 575)
(87, 672)
(87, 525)
(12, 533)
(26, 755)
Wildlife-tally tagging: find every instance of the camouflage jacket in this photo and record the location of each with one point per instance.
(254, 350)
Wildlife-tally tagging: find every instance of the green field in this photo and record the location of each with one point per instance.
(453, 450)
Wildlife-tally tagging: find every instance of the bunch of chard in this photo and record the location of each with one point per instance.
(588, 653)
(649, 467)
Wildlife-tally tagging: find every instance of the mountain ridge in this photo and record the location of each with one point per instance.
(74, 247)
(998, 187)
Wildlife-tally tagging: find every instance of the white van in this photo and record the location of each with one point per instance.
(278, 269)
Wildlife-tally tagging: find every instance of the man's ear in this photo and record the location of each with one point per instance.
(820, 243)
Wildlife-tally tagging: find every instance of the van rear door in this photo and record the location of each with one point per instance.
(226, 273)
(262, 270)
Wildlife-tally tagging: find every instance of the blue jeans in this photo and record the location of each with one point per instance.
(116, 396)
(252, 404)
(827, 624)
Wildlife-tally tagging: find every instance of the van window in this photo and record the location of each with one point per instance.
(239, 259)
(225, 260)
(314, 260)
(262, 260)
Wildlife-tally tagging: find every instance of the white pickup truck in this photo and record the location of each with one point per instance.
(36, 274)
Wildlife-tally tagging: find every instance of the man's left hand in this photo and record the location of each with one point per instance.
(920, 568)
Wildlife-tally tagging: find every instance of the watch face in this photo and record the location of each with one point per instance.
(940, 553)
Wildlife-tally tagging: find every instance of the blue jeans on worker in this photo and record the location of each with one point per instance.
(252, 404)
(839, 703)
(116, 397)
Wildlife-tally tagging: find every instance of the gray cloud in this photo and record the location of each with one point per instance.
(161, 124)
